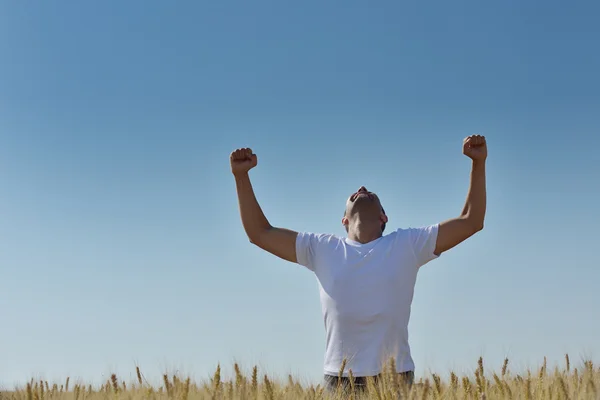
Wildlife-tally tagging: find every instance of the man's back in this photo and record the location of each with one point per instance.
(366, 294)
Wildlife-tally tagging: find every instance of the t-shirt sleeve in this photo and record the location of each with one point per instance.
(308, 247)
(423, 241)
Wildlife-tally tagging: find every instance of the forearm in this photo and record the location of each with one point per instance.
(253, 219)
(475, 205)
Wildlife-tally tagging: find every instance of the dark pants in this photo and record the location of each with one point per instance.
(360, 382)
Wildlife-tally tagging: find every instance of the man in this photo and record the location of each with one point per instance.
(366, 280)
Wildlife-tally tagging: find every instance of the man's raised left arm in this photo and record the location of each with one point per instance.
(456, 230)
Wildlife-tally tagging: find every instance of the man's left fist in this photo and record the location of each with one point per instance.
(475, 147)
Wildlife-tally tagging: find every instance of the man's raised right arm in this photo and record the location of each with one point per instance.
(277, 241)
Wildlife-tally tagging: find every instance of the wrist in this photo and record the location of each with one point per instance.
(478, 163)
(240, 176)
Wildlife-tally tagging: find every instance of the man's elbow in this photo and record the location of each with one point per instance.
(252, 237)
(477, 227)
(474, 224)
(257, 238)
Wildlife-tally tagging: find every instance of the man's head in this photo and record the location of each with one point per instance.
(364, 206)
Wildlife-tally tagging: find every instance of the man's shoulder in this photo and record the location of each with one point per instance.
(398, 232)
(410, 234)
(310, 246)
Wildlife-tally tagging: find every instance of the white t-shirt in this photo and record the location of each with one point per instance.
(366, 294)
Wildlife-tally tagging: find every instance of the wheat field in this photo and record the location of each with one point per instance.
(561, 383)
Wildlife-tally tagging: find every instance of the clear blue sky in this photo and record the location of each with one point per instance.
(120, 239)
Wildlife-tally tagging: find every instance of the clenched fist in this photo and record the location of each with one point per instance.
(242, 161)
(475, 147)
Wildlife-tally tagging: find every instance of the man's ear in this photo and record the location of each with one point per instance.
(345, 222)
(383, 218)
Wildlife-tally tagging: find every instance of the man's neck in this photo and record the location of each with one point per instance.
(364, 233)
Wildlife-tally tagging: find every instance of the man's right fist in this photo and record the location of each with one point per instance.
(242, 161)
